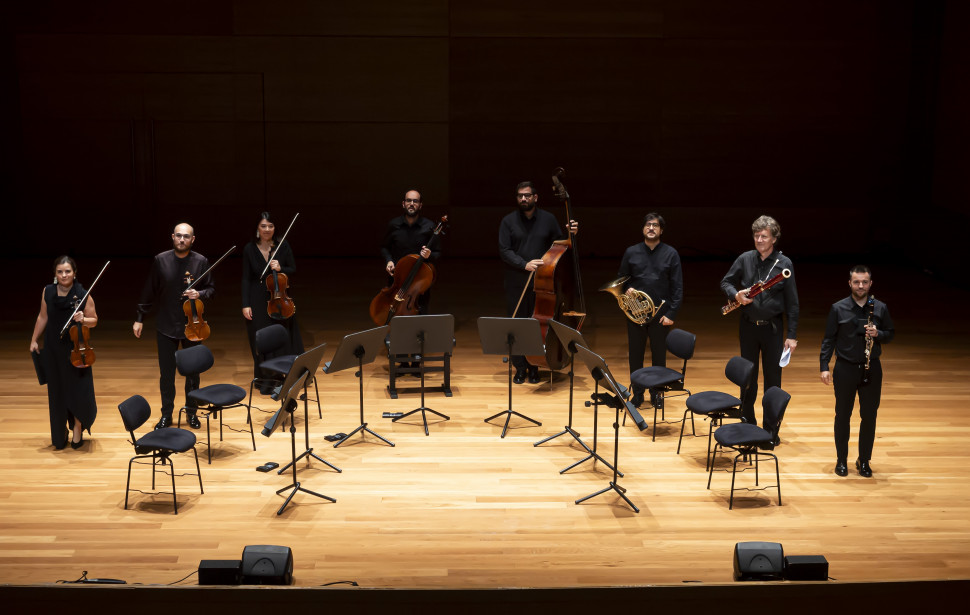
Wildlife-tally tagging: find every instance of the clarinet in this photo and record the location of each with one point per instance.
(870, 308)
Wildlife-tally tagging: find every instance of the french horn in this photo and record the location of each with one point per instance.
(639, 307)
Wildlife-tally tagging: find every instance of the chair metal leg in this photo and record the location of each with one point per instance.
(734, 473)
(198, 471)
(175, 501)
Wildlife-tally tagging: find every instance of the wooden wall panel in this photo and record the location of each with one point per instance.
(391, 18)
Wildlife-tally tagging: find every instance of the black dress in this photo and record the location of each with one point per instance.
(255, 296)
(70, 390)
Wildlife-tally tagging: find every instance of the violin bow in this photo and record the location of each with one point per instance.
(213, 266)
(278, 246)
(81, 302)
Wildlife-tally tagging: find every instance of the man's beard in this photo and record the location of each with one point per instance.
(526, 206)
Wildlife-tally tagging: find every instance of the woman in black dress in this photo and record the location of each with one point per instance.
(254, 292)
(70, 390)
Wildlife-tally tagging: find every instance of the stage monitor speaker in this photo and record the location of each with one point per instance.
(219, 571)
(267, 565)
(806, 568)
(758, 561)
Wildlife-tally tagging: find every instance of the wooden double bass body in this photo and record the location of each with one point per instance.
(559, 291)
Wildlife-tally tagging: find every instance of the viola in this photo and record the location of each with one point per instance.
(196, 328)
(279, 306)
(82, 355)
(559, 290)
(413, 276)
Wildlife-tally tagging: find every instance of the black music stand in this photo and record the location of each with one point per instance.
(570, 339)
(510, 336)
(417, 335)
(598, 368)
(355, 350)
(289, 405)
(307, 362)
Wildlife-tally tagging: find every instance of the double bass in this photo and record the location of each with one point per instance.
(413, 276)
(559, 289)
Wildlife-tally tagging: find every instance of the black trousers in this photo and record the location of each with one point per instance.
(637, 336)
(847, 381)
(765, 341)
(166, 371)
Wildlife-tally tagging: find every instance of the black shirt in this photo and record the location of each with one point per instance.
(401, 239)
(164, 287)
(782, 298)
(845, 332)
(656, 272)
(521, 239)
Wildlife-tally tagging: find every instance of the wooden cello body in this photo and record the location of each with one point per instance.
(413, 276)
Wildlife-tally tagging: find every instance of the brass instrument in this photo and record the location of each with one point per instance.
(639, 307)
(870, 308)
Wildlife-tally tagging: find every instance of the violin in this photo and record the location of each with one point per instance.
(82, 355)
(196, 328)
(559, 290)
(413, 276)
(279, 306)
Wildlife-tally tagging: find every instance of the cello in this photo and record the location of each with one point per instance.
(559, 289)
(413, 276)
(196, 328)
(279, 306)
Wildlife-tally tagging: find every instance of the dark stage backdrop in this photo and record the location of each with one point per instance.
(837, 117)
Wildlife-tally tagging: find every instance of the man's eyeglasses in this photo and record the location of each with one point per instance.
(412, 200)
(652, 225)
(521, 196)
(182, 236)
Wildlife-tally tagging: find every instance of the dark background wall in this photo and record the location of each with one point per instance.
(841, 118)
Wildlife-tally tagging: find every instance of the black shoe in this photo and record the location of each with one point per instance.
(841, 469)
(165, 421)
(193, 420)
(656, 400)
(534, 374)
(865, 470)
(266, 388)
(519, 376)
(637, 399)
(776, 440)
(79, 443)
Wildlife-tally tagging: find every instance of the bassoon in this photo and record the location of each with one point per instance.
(756, 289)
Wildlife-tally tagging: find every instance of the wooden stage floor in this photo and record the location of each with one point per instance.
(463, 508)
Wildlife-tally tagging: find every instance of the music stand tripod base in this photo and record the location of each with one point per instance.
(510, 337)
(419, 335)
(354, 351)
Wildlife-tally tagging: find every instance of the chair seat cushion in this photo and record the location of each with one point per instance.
(278, 365)
(655, 376)
(218, 395)
(707, 402)
(169, 438)
(742, 434)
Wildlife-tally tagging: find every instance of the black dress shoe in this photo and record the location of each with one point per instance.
(776, 440)
(637, 399)
(79, 443)
(519, 376)
(165, 421)
(534, 375)
(865, 470)
(656, 399)
(841, 469)
(193, 420)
